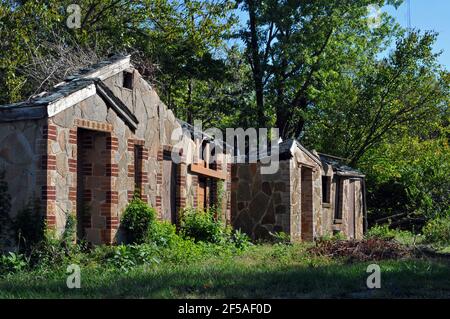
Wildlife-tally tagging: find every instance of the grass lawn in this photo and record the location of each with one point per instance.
(263, 271)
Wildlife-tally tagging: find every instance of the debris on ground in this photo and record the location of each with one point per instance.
(371, 249)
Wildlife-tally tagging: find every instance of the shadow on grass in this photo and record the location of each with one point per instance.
(399, 279)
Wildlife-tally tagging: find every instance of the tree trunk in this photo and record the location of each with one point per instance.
(257, 68)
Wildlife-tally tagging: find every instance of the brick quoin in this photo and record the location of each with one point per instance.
(73, 136)
(112, 197)
(48, 193)
(50, 132)
(48, 162)
(131, 171)
(72, 165)
(112, 170)
(72, 193)
(112, 143)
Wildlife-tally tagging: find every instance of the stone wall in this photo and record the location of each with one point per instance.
(42, 161)
(330, 223)
(261, 202)
(23, 157)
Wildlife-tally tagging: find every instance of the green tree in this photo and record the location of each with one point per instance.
(294, 46)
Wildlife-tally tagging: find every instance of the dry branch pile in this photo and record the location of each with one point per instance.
(372, 249)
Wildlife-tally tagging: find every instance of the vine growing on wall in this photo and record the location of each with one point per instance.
(220, 197)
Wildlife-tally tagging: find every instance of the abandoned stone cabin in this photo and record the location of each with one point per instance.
(311, 195)
(87, 146)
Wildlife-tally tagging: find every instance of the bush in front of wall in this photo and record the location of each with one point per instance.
(137, 221)
(202, 226)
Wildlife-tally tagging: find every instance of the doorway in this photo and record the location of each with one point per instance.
(169, 190)
(306, 189)
(201, 194)
(92, 184)
(351, 209)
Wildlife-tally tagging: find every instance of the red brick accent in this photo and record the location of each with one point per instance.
(72, 193)
(159, 179)
(229, 167)
(48, 192)
(50, 221)
(130, 195)
(143, 153)
(130, 170)
(72, 165)
(48, 162)
(93, 125)
(112, 197)
(50, 132)
(143, 178)
(130, 145)
(112, 143)
(112, 222)
(73, 136)
(160, 156)
(112, 170)
(158, 201)
(181, 202)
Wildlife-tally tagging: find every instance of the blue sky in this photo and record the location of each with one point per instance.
(426, 15)
(429, 15)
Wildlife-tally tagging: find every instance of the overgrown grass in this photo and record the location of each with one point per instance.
(262, 271)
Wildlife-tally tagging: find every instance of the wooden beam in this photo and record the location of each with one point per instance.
(201, 170)
(109, 70)
(70, 100)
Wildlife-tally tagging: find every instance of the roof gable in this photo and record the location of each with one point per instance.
(76, 88)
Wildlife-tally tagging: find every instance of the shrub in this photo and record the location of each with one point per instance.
(437, 231)
(70, 229)
(162, 234)
(126, 257)
(385, 232)
(12, 263)
(29, 226)
(281, 238)
(381, 231)
(203, 227)
(137, 221)
(240, 240)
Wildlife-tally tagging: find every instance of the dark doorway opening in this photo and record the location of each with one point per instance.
(306, 189)
(169, 190)
(93, 184)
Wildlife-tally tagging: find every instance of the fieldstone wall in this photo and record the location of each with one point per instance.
(332, 225)
(261, 202)
(23, 157)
